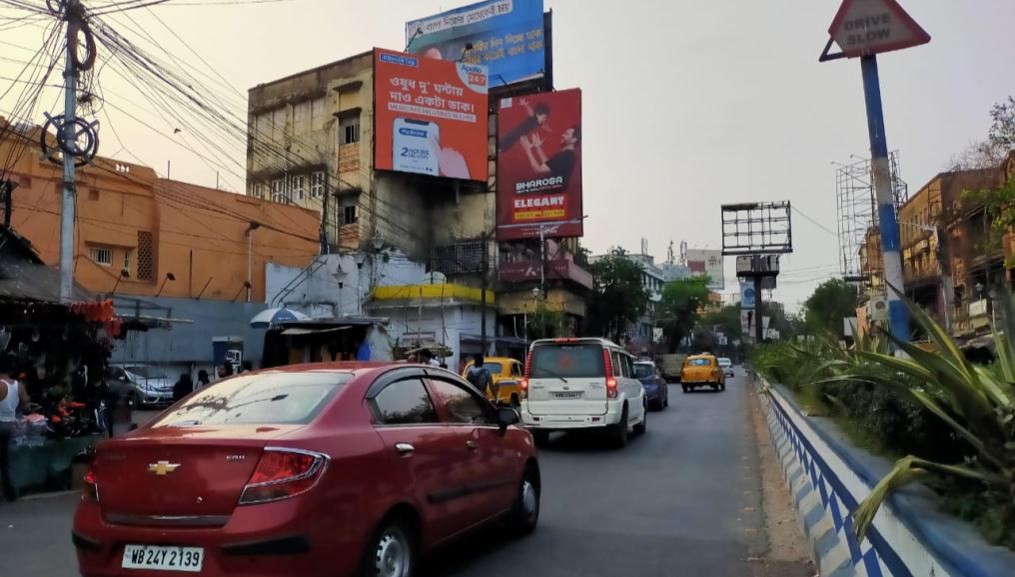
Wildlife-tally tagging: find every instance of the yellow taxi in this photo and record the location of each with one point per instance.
(702, 371)
(507, 373)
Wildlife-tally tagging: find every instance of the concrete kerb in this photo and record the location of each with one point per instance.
(827, 479)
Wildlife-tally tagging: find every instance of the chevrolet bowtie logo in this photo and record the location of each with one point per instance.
(163, 468)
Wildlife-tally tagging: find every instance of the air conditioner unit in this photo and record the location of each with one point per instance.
(877, 309)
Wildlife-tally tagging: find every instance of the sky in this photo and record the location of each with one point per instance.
(687, 104)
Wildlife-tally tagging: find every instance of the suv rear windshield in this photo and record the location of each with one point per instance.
(642, 370)
(575, 361)
(263, 399)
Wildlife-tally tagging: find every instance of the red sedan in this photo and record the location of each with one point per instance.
(314, 470)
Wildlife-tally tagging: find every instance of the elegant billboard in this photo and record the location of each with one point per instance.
(430, 116)
(504, 35)
(703, 262)
(539, 168)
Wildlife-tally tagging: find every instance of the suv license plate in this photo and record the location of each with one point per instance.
(568, 395)
(162, 558)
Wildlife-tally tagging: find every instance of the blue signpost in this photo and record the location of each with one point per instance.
(864, 28)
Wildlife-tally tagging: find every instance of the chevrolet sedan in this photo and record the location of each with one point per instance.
(334, 470)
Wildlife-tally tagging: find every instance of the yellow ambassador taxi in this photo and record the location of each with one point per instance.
(506, 372)
(702, 371)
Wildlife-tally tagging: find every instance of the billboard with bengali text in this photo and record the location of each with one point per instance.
(504, 35)
(703, 262)
(430, 116)
(539, 166)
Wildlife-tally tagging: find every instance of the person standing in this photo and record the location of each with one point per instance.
(12, 396)
(479, 376)
(183, 387)
(202, 379)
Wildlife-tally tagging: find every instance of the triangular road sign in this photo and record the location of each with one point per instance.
(865, 27)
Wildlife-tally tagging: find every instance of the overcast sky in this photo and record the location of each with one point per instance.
(687, 104)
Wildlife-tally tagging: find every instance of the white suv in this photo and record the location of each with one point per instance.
(575, 384)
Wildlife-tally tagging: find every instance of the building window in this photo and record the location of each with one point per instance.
(258, 191)
(317, 185)
(126, 260)
(145, 256)
(348, 130)
(278, 190)
(297, 186)
(350, 214)
(102, 255)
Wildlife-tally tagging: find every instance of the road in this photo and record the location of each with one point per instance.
(684, 499)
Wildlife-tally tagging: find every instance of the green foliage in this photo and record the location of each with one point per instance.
(1002, 128)
(680, 306)
(726, 320)
(617, 298)
(999, 207)
(544, 323)
(833, 301)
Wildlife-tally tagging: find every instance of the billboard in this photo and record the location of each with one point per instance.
(539, 169)
(430, 116)
(707, 262)
(504, 35)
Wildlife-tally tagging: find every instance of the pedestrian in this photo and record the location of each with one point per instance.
(225, 371)
(183, 387)
(12, 397)
(481, 378)
(202, 379)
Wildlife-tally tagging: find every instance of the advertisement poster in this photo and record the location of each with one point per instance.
(431, 116)
(504, 35)
(539, 166)
(710, 263)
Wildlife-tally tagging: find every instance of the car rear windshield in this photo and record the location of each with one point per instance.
(261, 399)
(494, 368)
(642, 370)
(567, 361)
(699, 362)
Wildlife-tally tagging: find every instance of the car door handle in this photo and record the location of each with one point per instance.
(404, 448)
(472, 446)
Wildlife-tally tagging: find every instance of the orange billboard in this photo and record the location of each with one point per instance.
(430, 116)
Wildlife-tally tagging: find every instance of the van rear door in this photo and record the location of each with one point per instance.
(567, 378)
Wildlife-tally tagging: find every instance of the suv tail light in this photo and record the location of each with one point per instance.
(611, 381)
(90, 491)
(523, 385)
(283, 473)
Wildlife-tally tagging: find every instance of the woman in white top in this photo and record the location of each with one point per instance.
(12, 396)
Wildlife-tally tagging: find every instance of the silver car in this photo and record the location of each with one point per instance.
(152, 388)
(726, 365)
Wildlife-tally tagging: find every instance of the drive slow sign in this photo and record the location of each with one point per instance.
(865, 27)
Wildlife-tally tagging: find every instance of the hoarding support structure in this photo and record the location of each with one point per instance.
(898, 316)
(759, 321)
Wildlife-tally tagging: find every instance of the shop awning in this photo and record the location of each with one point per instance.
(294, 331)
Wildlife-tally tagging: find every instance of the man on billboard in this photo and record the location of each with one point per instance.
(560, 167)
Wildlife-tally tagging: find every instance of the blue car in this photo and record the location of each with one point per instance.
(656, 390)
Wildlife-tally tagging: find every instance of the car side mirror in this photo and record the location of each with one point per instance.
(507, 416)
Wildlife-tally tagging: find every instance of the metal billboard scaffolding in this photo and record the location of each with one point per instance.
(756, 227)
(857, 214)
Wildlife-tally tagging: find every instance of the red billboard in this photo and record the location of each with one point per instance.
(430, 116)
(539, 172)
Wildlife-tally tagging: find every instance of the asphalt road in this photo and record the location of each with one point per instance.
(684, 499)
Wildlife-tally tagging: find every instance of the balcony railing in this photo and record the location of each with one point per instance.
(531, 270)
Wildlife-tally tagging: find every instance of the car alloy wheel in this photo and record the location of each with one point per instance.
(393, 554)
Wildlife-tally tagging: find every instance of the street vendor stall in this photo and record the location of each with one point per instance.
(60, 351)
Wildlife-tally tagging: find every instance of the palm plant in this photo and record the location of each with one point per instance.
(975, 402)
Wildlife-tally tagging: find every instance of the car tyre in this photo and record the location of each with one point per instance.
(722, 387)
(641, 427)
(666, 400)
(620, 430)
(524, 514)
(515, 403)
(541, 438)
(392, 550)
(686, 389)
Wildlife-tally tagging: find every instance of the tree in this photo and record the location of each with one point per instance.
(725, 320)
(544, 323)
(1002, 128)
(833, 301)
(680, 306)
(618, 297)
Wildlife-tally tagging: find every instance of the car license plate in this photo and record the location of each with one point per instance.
(163, 558)
(568, 395)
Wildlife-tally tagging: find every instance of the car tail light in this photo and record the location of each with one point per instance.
(524, 383)
(283, 473)
(90, 492)
(611, 381)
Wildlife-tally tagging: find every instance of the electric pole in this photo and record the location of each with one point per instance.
(72, 15)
